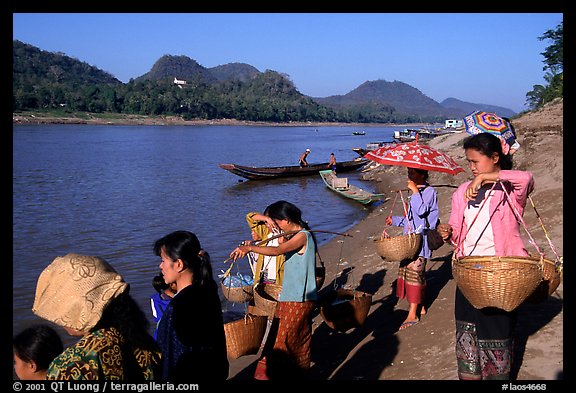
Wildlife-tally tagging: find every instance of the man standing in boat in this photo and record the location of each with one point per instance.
(332, 162)
(303, 162)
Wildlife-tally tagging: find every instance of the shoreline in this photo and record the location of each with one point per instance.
(377, 350)
(123, 119)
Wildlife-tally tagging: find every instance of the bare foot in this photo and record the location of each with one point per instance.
(422, 311)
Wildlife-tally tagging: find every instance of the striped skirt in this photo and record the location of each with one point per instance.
(411, 282)
(290, 355)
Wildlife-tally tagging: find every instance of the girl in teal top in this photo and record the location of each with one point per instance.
(290, 355)
(300, 274)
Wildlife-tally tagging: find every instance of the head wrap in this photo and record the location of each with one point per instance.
(74, 290)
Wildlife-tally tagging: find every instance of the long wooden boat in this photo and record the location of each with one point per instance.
(263, 173)
(341, 186)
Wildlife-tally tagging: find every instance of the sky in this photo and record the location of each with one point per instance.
(485, 58)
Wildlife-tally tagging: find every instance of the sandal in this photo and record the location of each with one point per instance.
(407, 325)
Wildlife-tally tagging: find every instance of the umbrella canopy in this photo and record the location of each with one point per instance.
(478, 122)
(414, 155)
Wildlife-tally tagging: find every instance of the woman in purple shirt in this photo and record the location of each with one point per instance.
(484, 338)
(411, 283)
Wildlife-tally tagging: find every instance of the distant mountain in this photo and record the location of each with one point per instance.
(234, 71)
(31, 64)
(185, 68)
(44, 80)
(403, 97)
(181, 67)
(468, 107)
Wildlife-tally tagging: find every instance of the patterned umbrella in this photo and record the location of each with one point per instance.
(414, 155)
(478, 122)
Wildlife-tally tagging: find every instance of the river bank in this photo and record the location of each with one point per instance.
(124, 119)
(378, 350)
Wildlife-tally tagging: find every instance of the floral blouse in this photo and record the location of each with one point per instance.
(99, 355)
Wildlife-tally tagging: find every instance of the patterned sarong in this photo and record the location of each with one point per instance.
(411, 282)
(290, 356)
(484, 343)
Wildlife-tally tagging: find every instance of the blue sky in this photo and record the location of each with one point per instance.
(484, 58)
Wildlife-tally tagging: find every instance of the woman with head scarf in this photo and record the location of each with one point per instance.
(88, 298)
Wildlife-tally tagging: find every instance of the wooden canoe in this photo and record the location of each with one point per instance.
(341, 186)
(263, 173)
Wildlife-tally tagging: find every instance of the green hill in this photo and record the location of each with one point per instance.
(178, 85)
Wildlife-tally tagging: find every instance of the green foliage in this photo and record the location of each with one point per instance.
(48, 81)
(554, 65)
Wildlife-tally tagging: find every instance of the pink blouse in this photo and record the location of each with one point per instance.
(504, 225)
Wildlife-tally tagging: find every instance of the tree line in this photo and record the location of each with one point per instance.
(554, 68)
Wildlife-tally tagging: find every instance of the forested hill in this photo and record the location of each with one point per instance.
(178, 85)
(31, 65)
(468, 107)
(398, 95)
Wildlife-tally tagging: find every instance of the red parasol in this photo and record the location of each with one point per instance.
(414, 155)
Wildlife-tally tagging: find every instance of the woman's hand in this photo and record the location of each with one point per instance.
(412, 187)
(445, 230)
(389, 220)
(240, 252)
(472, 190)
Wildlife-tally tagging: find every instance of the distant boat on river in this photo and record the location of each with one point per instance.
(263, 173)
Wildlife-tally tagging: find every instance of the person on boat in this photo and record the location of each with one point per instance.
(34, 349)
(88, 298)
(289, 356)
(423, 208)
(332, 162)
(302, 161)
(191, 331)
(483, 222)
(160, 299)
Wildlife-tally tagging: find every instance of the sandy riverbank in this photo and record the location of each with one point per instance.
(377, 350)
(123, 119)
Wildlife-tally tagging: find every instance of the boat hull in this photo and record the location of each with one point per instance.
(348, 190)
(263, 173)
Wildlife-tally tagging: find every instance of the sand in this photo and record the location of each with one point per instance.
(425, 351)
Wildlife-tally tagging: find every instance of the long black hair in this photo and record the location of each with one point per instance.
(488, 144)
(185, 245)
(283, 210)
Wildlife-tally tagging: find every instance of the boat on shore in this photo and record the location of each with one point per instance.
(423, 134)
(341, 186)
(264, 173)
(372, 146)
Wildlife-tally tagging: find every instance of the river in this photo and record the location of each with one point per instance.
(111, 191)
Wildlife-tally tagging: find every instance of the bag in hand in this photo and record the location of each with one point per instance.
(435, 240)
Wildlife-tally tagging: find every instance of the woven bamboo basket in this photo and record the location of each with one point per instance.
(501, 282)
(238, 294)
(266, 298)
(244, 336)
(552, 276)
(399, 248)
(344, 309)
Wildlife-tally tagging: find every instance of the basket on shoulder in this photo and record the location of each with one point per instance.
(505, 282)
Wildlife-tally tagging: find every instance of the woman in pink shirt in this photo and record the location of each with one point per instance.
(482, 222)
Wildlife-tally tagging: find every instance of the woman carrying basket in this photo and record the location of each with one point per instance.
(292, 327)
(411, 283)
(482, 222)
